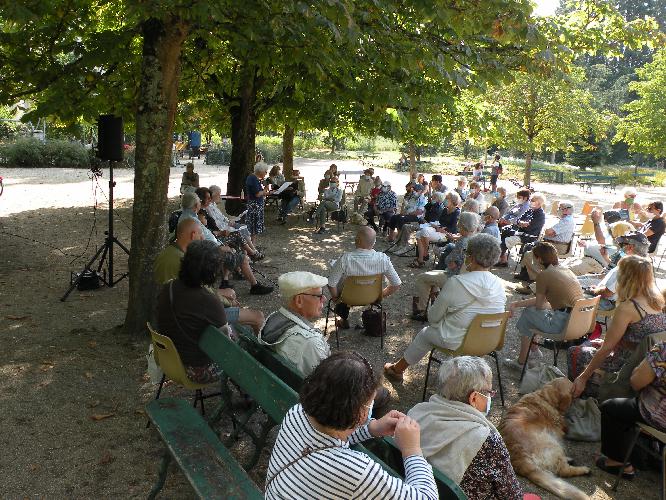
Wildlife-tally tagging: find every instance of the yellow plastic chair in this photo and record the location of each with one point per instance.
(168, 359)
(588, 207)
(654, 434)
(554, 207)
(359, 291)
(484, 337)
(587, 229)
(581, 322)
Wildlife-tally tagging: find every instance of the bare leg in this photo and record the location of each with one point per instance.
(252, 318)
(246, 271)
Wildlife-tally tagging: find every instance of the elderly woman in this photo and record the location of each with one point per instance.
(275, 179)
(187, 305)
(433, 213)
(462, 297)
(461, 189)
(500, 201)
(311, 457)
(525, 230)
(557, 290)
(458, 439)
(466, 225)
(190, 180)
(638, 313)
(446, 224)
(620, 415)
(255, 194)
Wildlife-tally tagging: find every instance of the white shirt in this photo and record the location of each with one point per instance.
(362, 262)
(221, 220)
(564, 230)
(610, 281)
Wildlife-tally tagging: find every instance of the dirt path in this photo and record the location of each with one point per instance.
(73, 388)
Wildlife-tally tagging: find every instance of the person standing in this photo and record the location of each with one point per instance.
(255, 194)
(495, 172)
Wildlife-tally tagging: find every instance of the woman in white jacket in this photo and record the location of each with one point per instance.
(477, 291)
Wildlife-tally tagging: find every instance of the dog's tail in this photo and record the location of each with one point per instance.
(549, 481)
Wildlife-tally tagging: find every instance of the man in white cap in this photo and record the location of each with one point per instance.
(289, 330)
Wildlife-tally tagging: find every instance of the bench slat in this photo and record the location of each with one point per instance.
(271, 393)
(209, 467)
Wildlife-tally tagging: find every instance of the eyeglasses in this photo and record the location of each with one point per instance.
(489, 394)
(320, 296)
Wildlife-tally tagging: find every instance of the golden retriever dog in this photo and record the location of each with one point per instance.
(533, 429)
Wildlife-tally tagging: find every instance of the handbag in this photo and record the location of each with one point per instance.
(538, 376)
(371, 322)
(583, 419)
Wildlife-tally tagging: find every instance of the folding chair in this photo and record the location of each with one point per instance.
(655, 434)
(168, 359)
(605, 315)
(581, 322)
(484, 337)
(359, 291)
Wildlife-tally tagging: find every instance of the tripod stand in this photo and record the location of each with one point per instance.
(104, 252)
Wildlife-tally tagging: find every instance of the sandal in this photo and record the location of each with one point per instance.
(391, 374)
(611, 469)
(417, 265)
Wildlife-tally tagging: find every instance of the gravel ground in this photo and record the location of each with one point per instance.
(73, 387)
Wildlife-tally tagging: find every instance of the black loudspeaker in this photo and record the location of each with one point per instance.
(110, 138)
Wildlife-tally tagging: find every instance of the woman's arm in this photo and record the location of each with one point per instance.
(624, 315)
(642, 376)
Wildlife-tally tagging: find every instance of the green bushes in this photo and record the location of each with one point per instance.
(269, 147)
(33, 153)
(218, 156)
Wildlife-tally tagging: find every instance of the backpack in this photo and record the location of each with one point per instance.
(340, 215)
(173, 220)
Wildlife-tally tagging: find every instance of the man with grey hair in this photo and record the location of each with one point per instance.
(332, 197)
(223, 222)
(463, 296)
(363, 261)
(456, 436)
(490, 218)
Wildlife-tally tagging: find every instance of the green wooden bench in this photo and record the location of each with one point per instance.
(649, 177)
(210, 468)
(587, 180)
(379, 450)
(551, 175)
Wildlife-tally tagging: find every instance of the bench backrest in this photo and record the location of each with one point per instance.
(271, 393)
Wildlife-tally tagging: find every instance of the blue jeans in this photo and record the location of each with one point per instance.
(286, 207)
(550, 322)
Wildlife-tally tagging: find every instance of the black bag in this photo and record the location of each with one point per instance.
(173, 220)
(88, 280)
(371, 322)
(340, 215)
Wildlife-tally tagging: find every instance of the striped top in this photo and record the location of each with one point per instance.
(363, 262)
(339, 472)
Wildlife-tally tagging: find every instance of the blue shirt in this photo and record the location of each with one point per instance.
(492, 230)
(252, 187)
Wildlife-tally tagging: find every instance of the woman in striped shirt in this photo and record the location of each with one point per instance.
(311, 457)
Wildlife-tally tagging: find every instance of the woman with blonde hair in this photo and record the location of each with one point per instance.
(639, 313)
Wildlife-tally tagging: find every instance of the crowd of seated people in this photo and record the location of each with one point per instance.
(342, 401)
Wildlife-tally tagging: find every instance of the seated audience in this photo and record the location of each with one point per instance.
(332, 171)
(223, 222)
(291, 197)
(560, 235)
(655, 226)
(167, 266)
(462, 297)
(412, 209)
(471, 205)
(435, 186)
(311, 457)
(525, 230)
(187, 306)
(331, 200)
(557, 291)
(363, 189)
(517, 210)
(456, 436)
(619, 416)
(500, 201)
(468, 224)
(275, 178)
(475, 192)
(446, 225)
(489, 219)
(190, 180)
(639, 312)
(433, 212)
(477, 172)
(364, 261)
(420, 179)
(289, 330)
(233, 260)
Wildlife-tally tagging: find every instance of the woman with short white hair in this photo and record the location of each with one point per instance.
(255, 194)
(525, 230)
(456, 436)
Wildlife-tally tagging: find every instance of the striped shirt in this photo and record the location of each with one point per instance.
(338, 472)
(362, 262)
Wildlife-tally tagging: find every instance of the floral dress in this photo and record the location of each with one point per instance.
(255, 205)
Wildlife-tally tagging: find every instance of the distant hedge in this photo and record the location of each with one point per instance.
(269, 147)
(33, 153)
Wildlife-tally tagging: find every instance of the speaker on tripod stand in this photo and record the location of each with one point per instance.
(109, 149)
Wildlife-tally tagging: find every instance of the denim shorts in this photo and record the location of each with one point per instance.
(232, 314)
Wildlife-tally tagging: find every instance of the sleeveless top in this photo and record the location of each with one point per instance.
(647, 325)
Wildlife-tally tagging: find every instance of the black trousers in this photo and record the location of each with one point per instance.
(397, 221)
(618, 419)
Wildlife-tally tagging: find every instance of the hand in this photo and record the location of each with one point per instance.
(229, 293)
(408, 436)
(578, 386)
(596, 215)
(385, 426)
(523, 224)
(511, 308)
(603, 251)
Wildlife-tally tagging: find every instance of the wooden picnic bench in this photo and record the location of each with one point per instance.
(586, 181)
(552, 175)
(384, 450)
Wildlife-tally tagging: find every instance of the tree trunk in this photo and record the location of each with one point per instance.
(528, 168)
(157, 101)
(552, 157)
(412, 159)
(243, 134)
(332, 137)
(288, 151)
